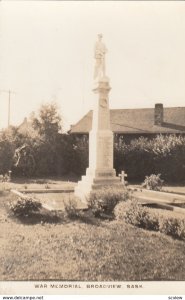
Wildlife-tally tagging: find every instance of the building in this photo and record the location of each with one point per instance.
(133, 123)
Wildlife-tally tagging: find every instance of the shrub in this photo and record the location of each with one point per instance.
(150, 220)
(172, 226)
(104, 200)
(131, 212)
(7, 148)
(74, 154)
(134, 157)
(5, 178)
(134, 213)
(71, 208)
(143, 156)
(153, 182)
(120, 210)
(24, 207)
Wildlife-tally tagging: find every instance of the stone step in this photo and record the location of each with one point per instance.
(109, 180)
(101, 186)
(100, 180)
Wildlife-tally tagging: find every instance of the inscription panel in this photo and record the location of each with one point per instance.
(105, 152)
(105, 174)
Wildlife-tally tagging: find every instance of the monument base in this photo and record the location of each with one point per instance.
(95, 180)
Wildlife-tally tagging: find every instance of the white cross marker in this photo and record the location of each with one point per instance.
(122, 176)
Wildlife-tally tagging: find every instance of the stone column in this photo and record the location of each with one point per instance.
(101, 136)
(100, 172)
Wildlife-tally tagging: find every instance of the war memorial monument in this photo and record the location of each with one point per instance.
(100, 172)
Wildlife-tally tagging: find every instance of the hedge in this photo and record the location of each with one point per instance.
(134, 213)
(142, 157)
(139, 158)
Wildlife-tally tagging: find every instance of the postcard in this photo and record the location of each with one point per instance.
(92, 148)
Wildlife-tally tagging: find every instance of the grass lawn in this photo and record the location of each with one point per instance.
(174, 189)
(86, 249)
(167, 188)
(39, 183)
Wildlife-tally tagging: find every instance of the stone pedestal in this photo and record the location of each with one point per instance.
(100, 172)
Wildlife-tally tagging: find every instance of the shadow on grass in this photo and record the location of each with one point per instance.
(4, 193)
(87, 216)
(58, 217)
(41, 218)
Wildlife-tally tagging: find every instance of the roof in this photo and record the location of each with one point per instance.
(26, 128)
(137, 121)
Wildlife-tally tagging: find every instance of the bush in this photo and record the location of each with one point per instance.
(150, 220)
(134, 157)
(75, 154)
(24, 207)
(172, 226)
(7, 149)
(133, 213)
(105, 200)
(143, 156)
(153, 182)
(120, 210)
(71, 209)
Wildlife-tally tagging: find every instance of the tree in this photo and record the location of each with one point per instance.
(40, 149)
(7, 148)
(48, 121)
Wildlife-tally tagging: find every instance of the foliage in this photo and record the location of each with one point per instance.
(24, 207)
(57, 153)
(105, 199)
(112, 251)
(48, 124)
(7, 148)
(5, 178)
(150, 220)
(153, 182)
(172, 226)
(24, 157)
(133, 158)
(48, 121)
(143, 156)
(29, 153)
(71, 210)
(134, 213)
(74, 155)
(44, 151)
(17, 149)
(36, 147)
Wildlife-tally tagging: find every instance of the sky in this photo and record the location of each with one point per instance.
(46, 54)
